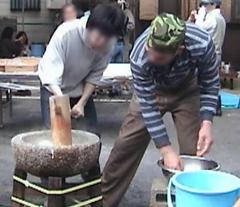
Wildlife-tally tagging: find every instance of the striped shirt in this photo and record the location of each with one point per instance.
(198, 60)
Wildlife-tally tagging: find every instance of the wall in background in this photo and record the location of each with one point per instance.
(39, 24)
(231, 49)
(8, 22)
(173, 6)
(231, 46)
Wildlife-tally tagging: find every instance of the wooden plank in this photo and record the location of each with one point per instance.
(20, 64)
(56, 183)
(187, 6)
(2, 69)
(18, 188)
(227, 9)
(60, 120)
(148, 10)
(16, 69)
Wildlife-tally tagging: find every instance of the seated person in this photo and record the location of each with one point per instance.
(8, 47)
(23, 39)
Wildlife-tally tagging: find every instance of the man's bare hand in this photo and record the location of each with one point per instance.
(205, 139)
(192, 17)
(170, 158)
(77, 111)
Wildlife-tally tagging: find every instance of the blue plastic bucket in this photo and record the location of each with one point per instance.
(37, 49)
(204, 189)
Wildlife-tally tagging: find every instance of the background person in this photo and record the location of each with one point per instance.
(123, 44)
(8, 47)
(211, 19)
(69, 12)
(23, 39)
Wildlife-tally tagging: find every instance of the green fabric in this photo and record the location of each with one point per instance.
(167, 32)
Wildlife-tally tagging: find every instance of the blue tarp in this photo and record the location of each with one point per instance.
(229, 100)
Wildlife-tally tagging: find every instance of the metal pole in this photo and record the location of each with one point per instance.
(23, 14)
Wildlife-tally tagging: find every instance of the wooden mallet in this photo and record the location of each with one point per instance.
(60, 120)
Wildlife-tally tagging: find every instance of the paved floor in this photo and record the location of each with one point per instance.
(27, 118)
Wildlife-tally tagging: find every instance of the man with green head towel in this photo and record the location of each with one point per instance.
(175, 70)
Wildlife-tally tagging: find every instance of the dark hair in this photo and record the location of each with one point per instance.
(109, 19)
(218, 5)
(20, 34)
(7, 33)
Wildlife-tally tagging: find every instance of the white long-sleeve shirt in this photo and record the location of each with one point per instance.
(69, 62)
(215, 24)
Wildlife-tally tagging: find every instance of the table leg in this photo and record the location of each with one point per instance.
(10, 104)
(18, 188)
(55, 183)
(231, 84)
(1, 109)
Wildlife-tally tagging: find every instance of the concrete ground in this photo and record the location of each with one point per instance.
(27, 118)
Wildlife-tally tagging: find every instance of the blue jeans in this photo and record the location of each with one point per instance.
(89, 110)
(117, 56)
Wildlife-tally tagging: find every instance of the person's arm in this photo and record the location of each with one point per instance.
(208, 68)
(87, 93)
(51, 66)
(54, 89)
(131, 19)
(78, 109)
(93, 78)
(145, 90)
(208, 76)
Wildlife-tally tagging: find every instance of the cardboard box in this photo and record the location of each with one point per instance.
(2, 69)
(21, 64)
(3, 63)
(148, 10)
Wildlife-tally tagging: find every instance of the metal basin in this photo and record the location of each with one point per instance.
(35, 153)
(190, 163)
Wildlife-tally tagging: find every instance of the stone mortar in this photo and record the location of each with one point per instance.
(35, 153)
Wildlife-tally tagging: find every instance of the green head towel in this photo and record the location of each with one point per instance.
(167, 32)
